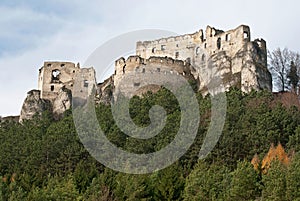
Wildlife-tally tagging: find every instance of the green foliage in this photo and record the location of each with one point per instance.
(245, 183)
(168, 184)
(57, 189)
(292, 180)
(275, 182)
(101, 187)
(43, 159)
(207, 183)
(132, 187)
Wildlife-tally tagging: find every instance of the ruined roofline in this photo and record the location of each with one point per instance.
(188, 36)
(135, 59)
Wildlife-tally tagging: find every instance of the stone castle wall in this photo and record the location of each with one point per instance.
(54, 75)
(231, 55)
(200, 56)
(131, 73)
(55, 86)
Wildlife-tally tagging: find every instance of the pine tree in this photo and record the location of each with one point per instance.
(245, 183)
(293, 77)
(274, 182)
(292, 180)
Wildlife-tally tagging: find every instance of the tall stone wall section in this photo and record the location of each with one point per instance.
(55, 75)
(131, 73)
(55, 86)
(235, 58)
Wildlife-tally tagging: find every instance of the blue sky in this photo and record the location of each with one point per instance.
(34, 31)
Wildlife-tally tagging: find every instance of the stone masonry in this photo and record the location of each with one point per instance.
(231, 55)
(198, 57)
(55, 85)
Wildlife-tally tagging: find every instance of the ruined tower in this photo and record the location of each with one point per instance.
(55, 85)
(237, 59)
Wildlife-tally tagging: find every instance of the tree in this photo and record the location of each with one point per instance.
(284, 66)
(245, 183)
(293, 77)
(168, 184)
(292, 180)
(275, 182)
(279, 66)
(207, 183)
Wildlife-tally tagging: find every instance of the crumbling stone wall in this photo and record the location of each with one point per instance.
(135, 69)
(56, 84)
(55, 75)
(232, 55)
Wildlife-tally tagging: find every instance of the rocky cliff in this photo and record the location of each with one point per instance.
(61, 103)
(34, 105)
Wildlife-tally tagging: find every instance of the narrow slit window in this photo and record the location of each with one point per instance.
(246, 34)
(153, 50)
(197, 50)
(219, 43)
(227, 37)
(85, 83)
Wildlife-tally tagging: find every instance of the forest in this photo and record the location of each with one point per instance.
(256, 158)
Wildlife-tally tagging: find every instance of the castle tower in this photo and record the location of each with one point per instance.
(55, 75)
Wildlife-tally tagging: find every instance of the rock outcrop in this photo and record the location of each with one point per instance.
(10, 119)
(61, 103)
(34, 105)
(105, 91)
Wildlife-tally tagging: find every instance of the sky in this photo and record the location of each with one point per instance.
(34, 31)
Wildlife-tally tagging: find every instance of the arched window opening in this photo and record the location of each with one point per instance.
(227, 37)
(55, 75)
(153, 50)
(246, 34)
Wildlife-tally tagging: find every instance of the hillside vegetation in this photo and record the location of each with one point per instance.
(43, 159)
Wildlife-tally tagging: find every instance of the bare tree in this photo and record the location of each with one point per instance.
(284, 66)
(279, 65)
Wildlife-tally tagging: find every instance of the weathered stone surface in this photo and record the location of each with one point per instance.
(231, 55)
(62, 103)
(34, 105)
(200, 57)
(10, 119)
(105, 91)
(56, 83)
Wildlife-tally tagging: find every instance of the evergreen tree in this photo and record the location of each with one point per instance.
(293, 77)
(292, 180)
(274, 182)
(245, 183)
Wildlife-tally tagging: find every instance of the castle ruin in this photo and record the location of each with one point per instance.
(235, 58)
(55, 86)
(200, 56)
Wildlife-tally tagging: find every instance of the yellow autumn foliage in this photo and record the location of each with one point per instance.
(277, 153)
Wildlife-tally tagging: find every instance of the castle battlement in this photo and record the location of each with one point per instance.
(232, 51)
(153, 64)
(187, 46)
